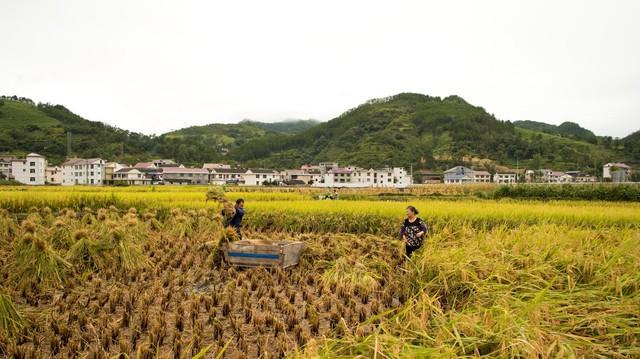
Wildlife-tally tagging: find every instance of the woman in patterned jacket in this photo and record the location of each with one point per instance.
(413, 231)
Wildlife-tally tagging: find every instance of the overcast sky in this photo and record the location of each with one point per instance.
(153, 66)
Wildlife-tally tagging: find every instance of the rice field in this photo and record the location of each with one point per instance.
(135, 272)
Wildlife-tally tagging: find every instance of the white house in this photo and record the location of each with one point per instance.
(80, 171)
(258, 176)
(505, 177)
(458, 175)
(617, 172)
(130, 176)
(355, 177)
(221, 176)
(481, 176)
(550, 176)
(30, 171)
(53, 175)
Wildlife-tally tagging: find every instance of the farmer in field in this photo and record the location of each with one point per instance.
(413, 231)
(235, 221)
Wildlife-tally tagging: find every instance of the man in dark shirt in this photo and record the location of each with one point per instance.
(236, 220)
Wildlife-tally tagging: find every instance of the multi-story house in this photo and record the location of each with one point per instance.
(259, 177)
(355, 177)
(30, 171)
(183, 175)
(5, 166)
(109, 169)
(304, 176)
(616, 172)
(130, 176)
(53, 175)
(550, 176)
(80, 171)
(481, 176)
(152, 171)
(458, 175)
(223, 176)
(505, 177)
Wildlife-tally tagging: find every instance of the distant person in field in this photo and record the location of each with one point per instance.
(335, 194)
(236, 220)
(413, 231)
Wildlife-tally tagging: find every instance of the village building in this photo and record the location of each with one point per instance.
(212, 166)
(616, 172)
(306, 176)
(5, 166)
(505, 177)
(165, 163)
(183, 175)
(53, 175)
(458, 175)
(79, 171)
(355, 177)
(130, 176)
(550, 176)
(109, 169)
(222, 176)
(428, 177)
(152, 171)
(260, 177)
(481, 177)
(30, 170)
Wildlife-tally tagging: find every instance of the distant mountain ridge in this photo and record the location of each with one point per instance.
(565, 129)
(406, 129)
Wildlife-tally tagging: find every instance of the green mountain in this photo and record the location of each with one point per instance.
(405, 129)
(286, 126)
(565, 129)
(29, 127)
(631, 146)
(419, 130)
(42, 128)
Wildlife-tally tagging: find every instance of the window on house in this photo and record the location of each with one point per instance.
(32, 179)
(33, 170)
(32, 164)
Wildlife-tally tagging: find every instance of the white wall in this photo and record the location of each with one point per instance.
(30, 171)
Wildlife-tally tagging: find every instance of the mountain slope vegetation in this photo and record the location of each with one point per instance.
(565, 129)
(413, 129)
(406, 129)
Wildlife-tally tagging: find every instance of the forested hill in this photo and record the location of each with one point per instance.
(29, 127)
(565, 129)
(413, 129)
(405, 129)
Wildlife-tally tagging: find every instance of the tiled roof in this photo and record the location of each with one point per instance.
(261, 170)
(81, 161)
(184, 170)
(229, 170)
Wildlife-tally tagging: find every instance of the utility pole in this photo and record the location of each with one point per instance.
(517, 170)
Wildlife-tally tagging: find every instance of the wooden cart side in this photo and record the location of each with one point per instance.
(253, 255)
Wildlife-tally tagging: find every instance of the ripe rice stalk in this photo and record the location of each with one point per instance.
(36, 265)
(11, 321)
(89, 253)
